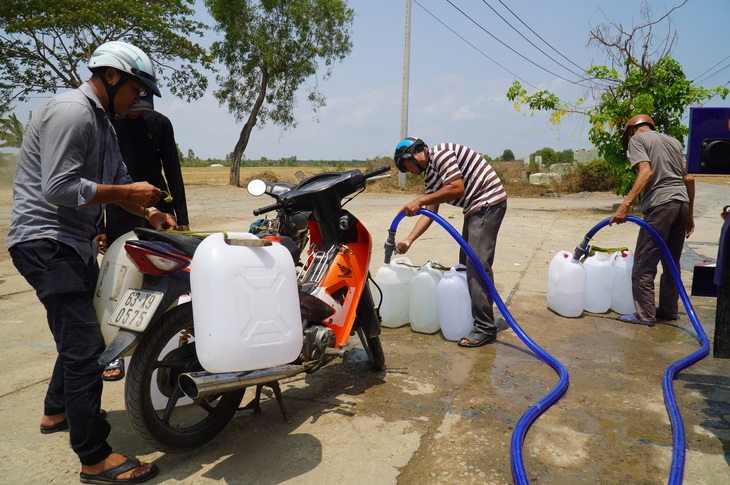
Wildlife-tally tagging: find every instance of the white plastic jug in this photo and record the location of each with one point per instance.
(622, 297)
(245, 304)
(116, 273)
(454, 304)
(394, 280)
(424, 310)
(566, 287)
(599, 279)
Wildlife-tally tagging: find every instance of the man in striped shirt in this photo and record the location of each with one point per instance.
(459, 176)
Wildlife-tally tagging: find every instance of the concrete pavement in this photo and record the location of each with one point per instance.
(440, 413)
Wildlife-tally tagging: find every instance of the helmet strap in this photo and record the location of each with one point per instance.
(112, 90)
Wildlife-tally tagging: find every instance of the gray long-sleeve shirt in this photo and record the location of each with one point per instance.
(68, 148)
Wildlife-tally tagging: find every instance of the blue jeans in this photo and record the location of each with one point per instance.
(65, 284)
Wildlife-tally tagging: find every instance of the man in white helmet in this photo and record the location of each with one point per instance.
(69, 166)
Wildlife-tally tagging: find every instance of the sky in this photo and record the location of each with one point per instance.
(457, 83)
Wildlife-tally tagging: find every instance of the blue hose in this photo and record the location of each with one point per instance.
(518, 435)
(676, 472)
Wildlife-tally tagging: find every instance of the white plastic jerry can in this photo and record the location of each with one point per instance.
(622, 296)
(598, 284)
(423, 312)
(566, 287)
(394, 280)
(245, 304)
(454, 304)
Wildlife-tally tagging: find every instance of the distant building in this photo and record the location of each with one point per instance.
(584, 156)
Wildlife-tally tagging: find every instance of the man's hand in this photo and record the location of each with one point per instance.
(162, 220)
(403, 246)
(143, 194)
(411, 208)
(100, 241)
(621, 213)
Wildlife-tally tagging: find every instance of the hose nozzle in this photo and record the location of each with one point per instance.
(389, 247)
(582, 249)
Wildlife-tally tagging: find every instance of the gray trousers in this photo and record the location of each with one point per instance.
(480, 232)
(670, 221)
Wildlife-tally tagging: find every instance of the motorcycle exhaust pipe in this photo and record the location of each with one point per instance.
(202, 384)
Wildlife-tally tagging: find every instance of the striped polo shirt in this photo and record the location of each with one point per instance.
(448, 162)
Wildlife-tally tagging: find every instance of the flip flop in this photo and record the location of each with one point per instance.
(110, 474)
(63, 425)
(476, 338)
(631, 318)
(117, 364)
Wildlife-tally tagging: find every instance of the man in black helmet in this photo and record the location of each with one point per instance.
(667, 200)
(69, 166)
(457, 175)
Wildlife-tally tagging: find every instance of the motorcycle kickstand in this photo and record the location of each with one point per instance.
(255, 403)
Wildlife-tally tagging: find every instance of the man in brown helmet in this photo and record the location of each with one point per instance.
(667, 199)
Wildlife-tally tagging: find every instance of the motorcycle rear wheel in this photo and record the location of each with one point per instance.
(374, 349)
(159, 411)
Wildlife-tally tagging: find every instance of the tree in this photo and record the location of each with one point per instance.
(11, 132)
(45, 44)
(507, 155)
(270, 48)
(548, 156)
(565, 156)
(642, 78)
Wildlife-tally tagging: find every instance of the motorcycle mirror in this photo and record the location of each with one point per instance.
(300, 175)
(256, 187)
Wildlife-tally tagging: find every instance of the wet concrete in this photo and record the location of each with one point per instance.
(439, 413)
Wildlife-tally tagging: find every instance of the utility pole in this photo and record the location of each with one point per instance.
(404, 96)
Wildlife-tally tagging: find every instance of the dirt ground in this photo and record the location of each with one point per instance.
(439, 413)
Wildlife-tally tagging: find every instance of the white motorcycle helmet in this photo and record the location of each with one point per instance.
(127, 59)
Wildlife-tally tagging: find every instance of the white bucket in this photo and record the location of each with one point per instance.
(598, 284)
(566, 287)
(423, 312)
(116, 273)
(245, 305)
(622, 297)
(394, 280)
(454, 304)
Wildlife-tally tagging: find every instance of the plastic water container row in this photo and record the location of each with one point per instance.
(427, 298)
(597, 284)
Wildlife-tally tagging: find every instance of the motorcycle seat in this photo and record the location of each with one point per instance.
(186, 244)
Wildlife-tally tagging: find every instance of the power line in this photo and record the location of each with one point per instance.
(580, 75)
(710, 69)
(513, 50)
(538, 36)
(473, 46)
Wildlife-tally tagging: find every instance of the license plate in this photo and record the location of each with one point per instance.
(135, 309)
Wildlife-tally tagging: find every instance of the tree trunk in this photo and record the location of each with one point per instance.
(235, 177)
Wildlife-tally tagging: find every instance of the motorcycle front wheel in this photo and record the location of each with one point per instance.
(373, 348)
(159, 411)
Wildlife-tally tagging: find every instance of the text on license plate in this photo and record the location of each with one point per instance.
(135, 309)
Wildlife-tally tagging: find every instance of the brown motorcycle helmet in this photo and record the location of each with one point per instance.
(633, 123)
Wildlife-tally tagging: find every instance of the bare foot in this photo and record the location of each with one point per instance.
(109, 373)
(115, 459)
(52, 420)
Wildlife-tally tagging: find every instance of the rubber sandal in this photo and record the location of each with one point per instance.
(117, 364)
(110, 474)
(631, 318)
(476, 338)
(63, 425)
